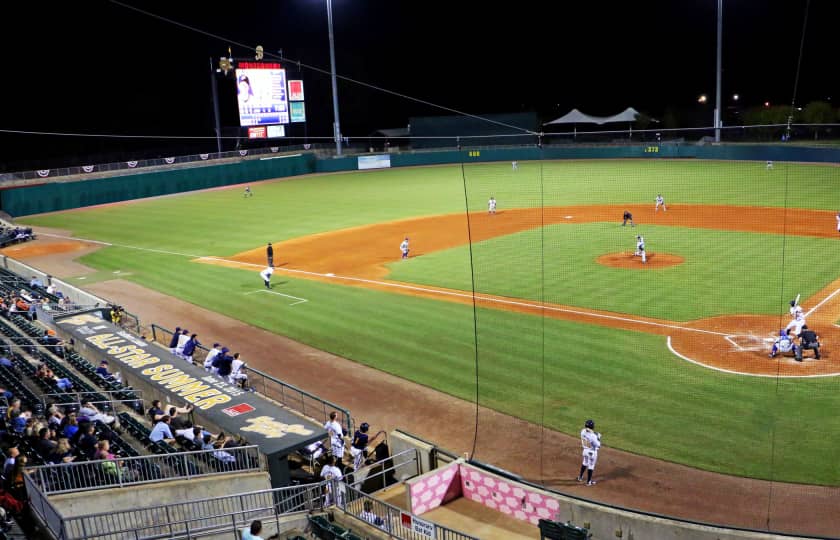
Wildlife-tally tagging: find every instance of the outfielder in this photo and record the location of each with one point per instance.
(404, 248)
(491, 207)
(514, 165)
(591, 442)
(640, 249)
(769, 164)
(660, 201)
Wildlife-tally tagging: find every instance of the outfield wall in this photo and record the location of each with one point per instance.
(51, 197)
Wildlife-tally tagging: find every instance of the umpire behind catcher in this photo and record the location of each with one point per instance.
(808, 339)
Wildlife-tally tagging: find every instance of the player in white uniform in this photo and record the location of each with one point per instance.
(769, 164)
(591, 442)
(336, 434)
(248, 192)
(795, 325)
(266, 275)
(640, 249)
(837, 217)
(491, 207)
(514, 165)
(331, 472)
(404, 248)
(660, 201)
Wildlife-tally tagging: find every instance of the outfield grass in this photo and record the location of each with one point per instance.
(646, 400)
(723, 273)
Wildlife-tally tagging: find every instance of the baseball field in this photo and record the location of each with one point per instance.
(540, 311)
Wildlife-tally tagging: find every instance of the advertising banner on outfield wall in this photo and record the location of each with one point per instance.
(261, 422)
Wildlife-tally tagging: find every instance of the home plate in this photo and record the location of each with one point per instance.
(330, 274)
(568, 217)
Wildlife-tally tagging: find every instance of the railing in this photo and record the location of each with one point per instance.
(45, 511)
(390, 518)
(76, 398)
(284, 393)
(129, 471)
(389, 471)
(192, 519)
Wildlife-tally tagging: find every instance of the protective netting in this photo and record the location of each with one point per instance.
(667, 352)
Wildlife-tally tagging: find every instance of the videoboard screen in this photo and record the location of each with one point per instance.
(262, 93)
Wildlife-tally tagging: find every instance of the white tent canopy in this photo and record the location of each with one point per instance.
(576, 117)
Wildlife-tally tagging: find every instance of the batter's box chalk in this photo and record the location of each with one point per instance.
(746, 342)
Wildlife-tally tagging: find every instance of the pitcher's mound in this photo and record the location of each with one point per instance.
(627, 260)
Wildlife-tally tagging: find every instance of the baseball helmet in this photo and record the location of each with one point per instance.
(792, 303)
(364, 427)
(782, 332)
(590, 424)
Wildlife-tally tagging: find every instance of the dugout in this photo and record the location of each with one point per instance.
(218, 406)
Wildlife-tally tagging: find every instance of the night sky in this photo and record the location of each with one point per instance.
(99, 67)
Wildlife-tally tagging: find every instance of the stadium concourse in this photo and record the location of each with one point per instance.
(633, 478)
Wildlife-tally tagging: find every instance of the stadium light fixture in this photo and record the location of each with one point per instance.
(735, 97)
(703, 98)
(336, 124)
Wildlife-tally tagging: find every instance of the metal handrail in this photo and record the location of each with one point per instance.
(281, 393)
(126, 471)
(398, 461)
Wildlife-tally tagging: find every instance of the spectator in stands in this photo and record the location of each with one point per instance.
(62, 452)
(253, 532)
(155, 413)
(189, 348)
(214, 352)
(368, 515)
(88, 441)
(55, 417)
(21, 307)
(14, 483)
(35, 283)
(173, 343)
(161, 431)
(51, 289)
(103, 450)
(15, 408)
(9, 464)
(182, 341)
(238, 375)
(53, 343)
(177, 420)
(95, 415)
(103, 372)
(46, 441)
(44, 372)
(71, 426)
(5, 362)
(33, 309)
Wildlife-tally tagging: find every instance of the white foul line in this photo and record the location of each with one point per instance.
(824, 300)
(695, 362)
(299, 300)
(427, 290)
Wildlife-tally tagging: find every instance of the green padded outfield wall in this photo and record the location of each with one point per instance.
(49, 197)
(57, 195)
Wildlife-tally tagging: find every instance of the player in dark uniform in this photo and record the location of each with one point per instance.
(627, 217)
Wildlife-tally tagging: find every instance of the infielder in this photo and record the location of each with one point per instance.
(627, 217)
(640, 249)
(660, 201)
(266, 276)
(491, 209)
(404, 248)
(591, 442)
(837, 217)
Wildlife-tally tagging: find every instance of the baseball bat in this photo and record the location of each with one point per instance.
(796, 302)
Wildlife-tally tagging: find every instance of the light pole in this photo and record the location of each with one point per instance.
(336, 124)
(719, 51)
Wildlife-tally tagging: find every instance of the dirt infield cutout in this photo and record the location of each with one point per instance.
(627, 260)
